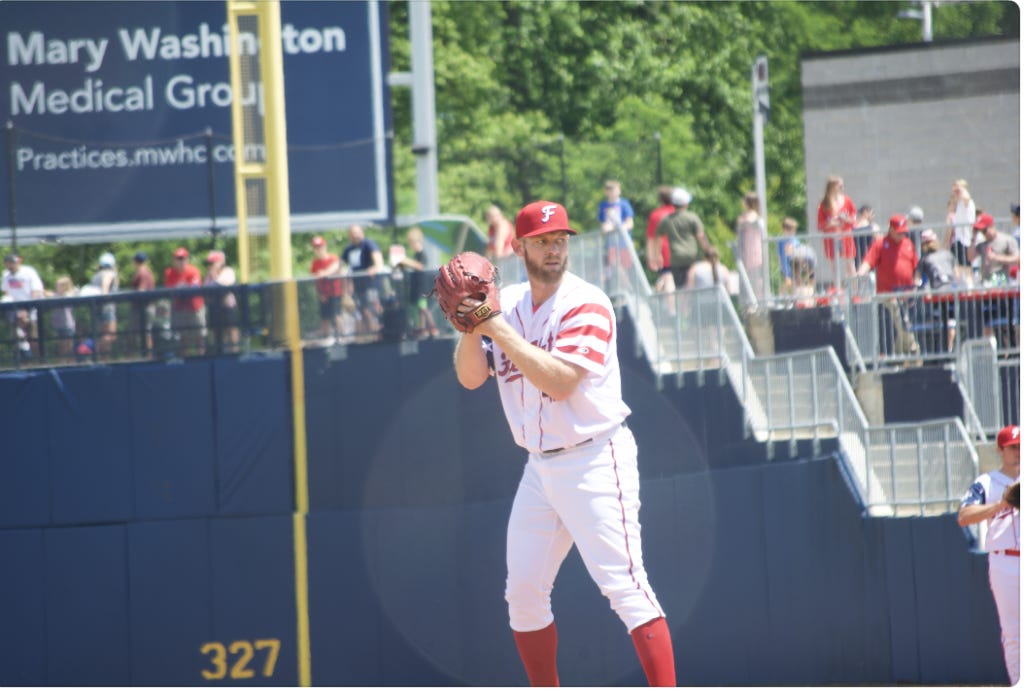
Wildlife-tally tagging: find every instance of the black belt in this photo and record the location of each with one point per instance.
(556, 450)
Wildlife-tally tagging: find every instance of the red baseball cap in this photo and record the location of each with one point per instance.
(898, 223)
(214, 256)
(984, 221)
(1010, 435)
(541, 217)
(318, 241)
(181, 252)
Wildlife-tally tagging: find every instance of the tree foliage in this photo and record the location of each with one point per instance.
(524, 85)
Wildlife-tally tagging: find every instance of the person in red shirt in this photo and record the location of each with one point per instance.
(836, 214)
(326, 267)
(188, 314)
(894, 259)
(658, 253)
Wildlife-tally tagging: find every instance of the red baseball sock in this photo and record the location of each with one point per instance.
(653, 644)
(539, 650)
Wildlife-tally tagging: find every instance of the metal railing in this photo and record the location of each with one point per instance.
(991, 383)
(786, 397)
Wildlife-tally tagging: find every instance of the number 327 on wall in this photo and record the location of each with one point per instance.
(239, 656)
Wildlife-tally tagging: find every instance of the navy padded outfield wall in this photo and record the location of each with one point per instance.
(146, 538)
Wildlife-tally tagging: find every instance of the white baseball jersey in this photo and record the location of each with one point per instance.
(1002, 532)
(577, 325)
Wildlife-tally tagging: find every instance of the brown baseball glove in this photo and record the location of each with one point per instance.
(1012, 495)
(467, 275)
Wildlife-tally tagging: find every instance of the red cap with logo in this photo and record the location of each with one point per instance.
(1010, 435)
(318, 241)
(898, 223)
(541, 217)
(984, 221)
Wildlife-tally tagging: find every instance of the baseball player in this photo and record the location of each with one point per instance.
(992, 499)
(552, 350)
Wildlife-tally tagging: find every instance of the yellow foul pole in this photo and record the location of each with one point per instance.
(274, 173)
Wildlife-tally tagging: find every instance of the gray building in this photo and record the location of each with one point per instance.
(900, 123)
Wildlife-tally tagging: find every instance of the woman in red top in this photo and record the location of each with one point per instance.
(836, 214)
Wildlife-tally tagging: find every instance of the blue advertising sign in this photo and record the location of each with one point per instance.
(118, 116)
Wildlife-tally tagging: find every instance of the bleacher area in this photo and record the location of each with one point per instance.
(807, 394)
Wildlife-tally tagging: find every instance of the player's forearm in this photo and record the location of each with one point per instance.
(973, 514)
(471, 361)
(554, 377)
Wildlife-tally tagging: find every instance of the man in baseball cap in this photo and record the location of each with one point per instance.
(541, 217)
(998, 251)
(553, 348)
(893, 257)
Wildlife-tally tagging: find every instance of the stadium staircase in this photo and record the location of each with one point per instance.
(896, 469)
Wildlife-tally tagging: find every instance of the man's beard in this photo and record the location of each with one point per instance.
(536, 269)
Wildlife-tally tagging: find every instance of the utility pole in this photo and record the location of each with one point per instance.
(759, 87)
(424, 124)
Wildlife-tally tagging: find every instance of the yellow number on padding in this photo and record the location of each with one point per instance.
(218, 658)
(274, 645)
(240, 670)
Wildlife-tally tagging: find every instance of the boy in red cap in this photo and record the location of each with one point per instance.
(986, 502)
(552, 350)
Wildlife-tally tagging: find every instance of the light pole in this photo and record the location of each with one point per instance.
(923, 15)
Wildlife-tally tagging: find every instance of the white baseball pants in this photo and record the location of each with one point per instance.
(591, 496)
(1004, 578)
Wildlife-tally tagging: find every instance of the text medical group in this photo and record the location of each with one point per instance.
(182, 91)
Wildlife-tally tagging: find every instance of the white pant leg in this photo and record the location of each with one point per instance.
(1004, 578)
(537, 543)
(596, 492)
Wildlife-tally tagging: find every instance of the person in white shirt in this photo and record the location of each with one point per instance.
(22, 282)
(986, 502)
(960, 215)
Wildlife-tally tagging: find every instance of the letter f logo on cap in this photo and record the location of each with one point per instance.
(541, 217)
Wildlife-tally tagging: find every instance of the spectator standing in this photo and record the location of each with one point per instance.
(188, 314)
(143, 311)
(365, 259)
(223, 317)
(986, 503)
(796, 262)
(499, 234)
(685, 233)
(836, 214)
(420, 282)
(894, 260)
(21, 282)
(105, 281)
(326, 268)
(997, 250)
(865, 230)
(62, 319)
(751, 236)
(938, 271)
(615, 213)
(707, 272)
(659, 256)
(960, 215)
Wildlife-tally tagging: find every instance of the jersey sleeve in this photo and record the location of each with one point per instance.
(975, 495)
(584, 336)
